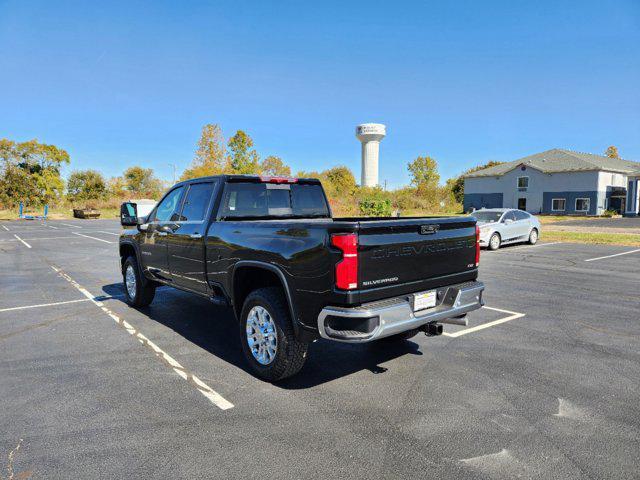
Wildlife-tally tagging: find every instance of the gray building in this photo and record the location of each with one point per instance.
(633, 195)
(555, 182)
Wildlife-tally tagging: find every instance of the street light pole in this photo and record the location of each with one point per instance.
(174, 171)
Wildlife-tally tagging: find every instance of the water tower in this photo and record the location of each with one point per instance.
(370, 135)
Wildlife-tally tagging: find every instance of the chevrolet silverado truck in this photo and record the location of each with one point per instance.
(269, 248)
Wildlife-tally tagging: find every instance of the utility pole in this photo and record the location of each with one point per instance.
(385, 185)
(174, 171)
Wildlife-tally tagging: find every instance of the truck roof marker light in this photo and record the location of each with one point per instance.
(268, 179)
(347, 268)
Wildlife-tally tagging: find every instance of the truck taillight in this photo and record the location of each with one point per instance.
(477, 245)
(347, 268)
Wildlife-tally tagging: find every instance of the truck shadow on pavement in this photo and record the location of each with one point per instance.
(215, 329)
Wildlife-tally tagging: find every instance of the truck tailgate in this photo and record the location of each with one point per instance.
(410, 251)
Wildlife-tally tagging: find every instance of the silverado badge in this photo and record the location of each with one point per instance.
(429, 229)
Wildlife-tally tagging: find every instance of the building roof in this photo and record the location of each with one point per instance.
(559, 160)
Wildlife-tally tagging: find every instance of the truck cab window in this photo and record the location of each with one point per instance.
(166, 211)
(196, 202)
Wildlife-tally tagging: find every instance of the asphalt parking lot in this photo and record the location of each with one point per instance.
(543, 383)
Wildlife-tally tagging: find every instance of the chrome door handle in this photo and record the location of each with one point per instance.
(196, 235)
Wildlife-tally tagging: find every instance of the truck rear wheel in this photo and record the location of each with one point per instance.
(268, 340)
(138, 293)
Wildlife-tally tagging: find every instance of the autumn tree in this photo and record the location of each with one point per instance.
(612, 152)
(117, 187)
(209, 158)
(424, 173)
(241, 155)
(142, 181)
(273, 165)
(86, 185)
(30, 172)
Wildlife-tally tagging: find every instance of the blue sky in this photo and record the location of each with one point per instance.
(128, 83)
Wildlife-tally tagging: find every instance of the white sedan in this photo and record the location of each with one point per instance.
(501, 226)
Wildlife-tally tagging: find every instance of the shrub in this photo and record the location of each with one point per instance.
(373, 207)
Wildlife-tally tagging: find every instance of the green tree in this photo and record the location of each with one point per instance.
(242, 157)
(424, 172)
(142, 181)
(273, 165)
(456, 184)
(209, 158)
(16, 185)
(36, 166)
(612, 152)
(86, 185)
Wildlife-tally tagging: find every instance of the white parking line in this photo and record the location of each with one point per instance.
(512, 316)
(213, 396)
(25, 243)
(508, 249)
(93, 238)
(611, 256)
(69, 225)
(5, 227)
(108, 233)
(51, 226)
(31, 239)
(11, 309)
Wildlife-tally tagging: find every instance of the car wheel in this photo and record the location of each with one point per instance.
(494, 241)
(138, 292)
(533, 236)
(268, 341)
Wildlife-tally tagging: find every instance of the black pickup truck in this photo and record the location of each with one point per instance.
(269, 248)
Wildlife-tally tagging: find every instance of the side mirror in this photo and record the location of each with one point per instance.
(507, 221)
(128, 214)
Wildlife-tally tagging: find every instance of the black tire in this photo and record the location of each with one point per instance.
(144, 290)
(492, 244)
(401, 337)
(533, 238)
(290, 352)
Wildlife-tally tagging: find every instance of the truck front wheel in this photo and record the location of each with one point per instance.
(138, 293)
(268, 340)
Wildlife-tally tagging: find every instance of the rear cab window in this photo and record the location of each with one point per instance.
(272, 200)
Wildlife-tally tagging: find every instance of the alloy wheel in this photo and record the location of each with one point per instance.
(261, 335)
(130, 281)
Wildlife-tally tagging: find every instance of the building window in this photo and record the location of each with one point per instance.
(583, 204)
(558, 204)
(523, 183)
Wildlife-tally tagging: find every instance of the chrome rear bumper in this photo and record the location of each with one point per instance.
(380, 319)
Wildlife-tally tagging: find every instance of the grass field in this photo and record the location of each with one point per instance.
(629, 239)
(556, 218)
